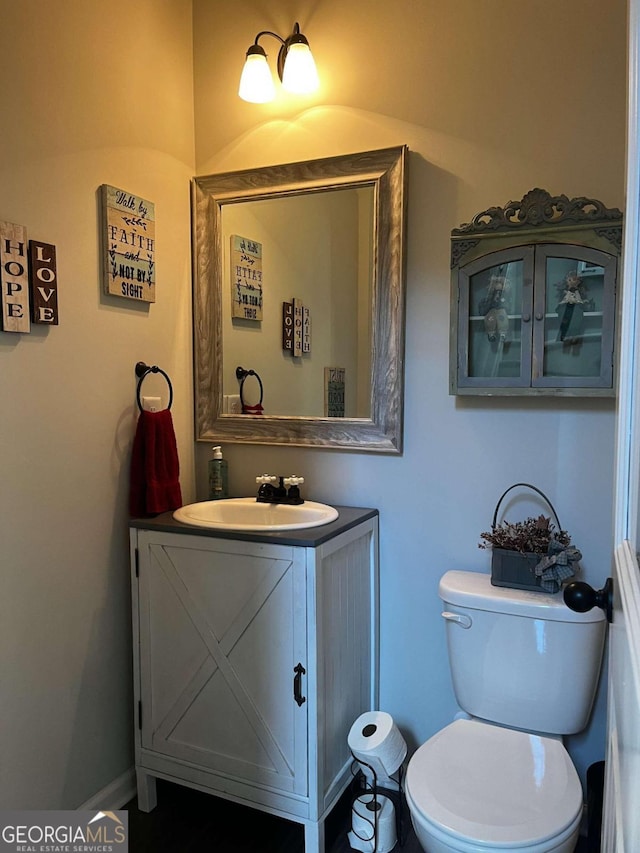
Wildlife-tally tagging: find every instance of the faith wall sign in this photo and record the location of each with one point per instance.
(128, 234)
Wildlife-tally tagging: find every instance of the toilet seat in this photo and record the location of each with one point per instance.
(498, 787)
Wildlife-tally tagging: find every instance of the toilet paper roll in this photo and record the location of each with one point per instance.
(373, 824)
(374, 739)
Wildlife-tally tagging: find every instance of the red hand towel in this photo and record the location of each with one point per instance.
(155, 470)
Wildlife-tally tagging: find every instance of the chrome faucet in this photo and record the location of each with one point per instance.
(287, 490)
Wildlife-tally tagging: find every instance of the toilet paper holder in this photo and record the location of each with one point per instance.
(379, 752)
(361, 785)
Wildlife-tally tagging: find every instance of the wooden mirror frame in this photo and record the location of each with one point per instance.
(385, 170)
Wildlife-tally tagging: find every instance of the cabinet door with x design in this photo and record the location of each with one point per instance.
(222, 645)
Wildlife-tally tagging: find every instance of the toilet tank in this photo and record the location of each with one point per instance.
(519, 658)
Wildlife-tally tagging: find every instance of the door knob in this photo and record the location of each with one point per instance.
(581, 597)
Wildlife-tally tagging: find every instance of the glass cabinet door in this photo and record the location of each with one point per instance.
(495, 308)
(573, 317)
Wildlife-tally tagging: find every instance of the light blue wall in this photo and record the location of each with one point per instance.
(493, 99)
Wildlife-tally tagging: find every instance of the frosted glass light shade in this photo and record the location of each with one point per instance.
(256, 82)
(300, 75)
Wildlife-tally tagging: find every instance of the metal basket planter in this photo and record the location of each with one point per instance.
(515, 569)
(527, 569)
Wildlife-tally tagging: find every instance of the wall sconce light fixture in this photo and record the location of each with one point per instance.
(296, 69)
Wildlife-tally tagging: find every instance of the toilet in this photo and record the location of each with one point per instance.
(525, 670)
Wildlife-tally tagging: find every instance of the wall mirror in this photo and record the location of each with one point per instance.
(299, 302)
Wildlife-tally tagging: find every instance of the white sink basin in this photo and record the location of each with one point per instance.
(248, 514)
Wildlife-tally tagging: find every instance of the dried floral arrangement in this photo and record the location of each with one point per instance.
(531, 536)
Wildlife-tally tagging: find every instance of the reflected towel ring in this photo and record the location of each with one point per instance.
(256, 409)
(142, 371)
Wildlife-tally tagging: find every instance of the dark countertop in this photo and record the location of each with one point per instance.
(348, 517)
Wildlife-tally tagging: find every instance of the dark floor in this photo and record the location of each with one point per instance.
(187, 821)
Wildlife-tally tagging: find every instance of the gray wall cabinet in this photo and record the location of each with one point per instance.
(533, 298)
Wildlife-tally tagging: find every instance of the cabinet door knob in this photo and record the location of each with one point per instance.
(581, 597)
(539, 316)
(526, 318)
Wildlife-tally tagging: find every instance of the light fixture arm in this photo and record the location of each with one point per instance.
(296, 37)
(268, 33)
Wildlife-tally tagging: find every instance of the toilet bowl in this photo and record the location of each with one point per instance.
(479, 787)
(524, 671)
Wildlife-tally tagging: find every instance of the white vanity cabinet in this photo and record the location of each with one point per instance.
(252, 658)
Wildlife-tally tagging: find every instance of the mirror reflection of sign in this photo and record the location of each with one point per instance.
(287, 326)
(334, 392)
(296, 328)
(246, 278)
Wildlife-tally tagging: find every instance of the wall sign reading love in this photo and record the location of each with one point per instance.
(28, 279)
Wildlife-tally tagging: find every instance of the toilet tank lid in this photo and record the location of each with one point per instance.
(474, 590)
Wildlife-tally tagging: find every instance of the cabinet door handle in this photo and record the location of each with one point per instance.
(297, 684)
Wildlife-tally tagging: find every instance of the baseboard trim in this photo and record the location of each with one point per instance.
(114, 795)
(584, 823)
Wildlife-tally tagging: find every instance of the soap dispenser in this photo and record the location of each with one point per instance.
(218, 476)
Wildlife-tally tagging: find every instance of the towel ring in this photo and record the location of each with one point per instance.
(241, 375)
(142, 371)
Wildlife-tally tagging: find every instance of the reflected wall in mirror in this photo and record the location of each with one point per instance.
(329, 234)
(316, 248)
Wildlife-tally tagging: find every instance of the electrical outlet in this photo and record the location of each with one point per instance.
(151, 404)
(235, 407)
